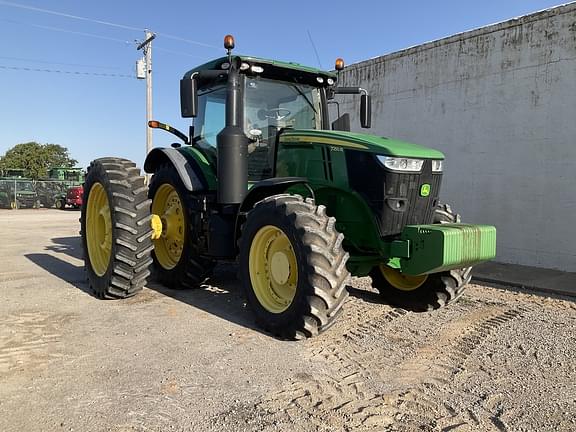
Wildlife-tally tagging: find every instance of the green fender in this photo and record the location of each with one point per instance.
(194, 169)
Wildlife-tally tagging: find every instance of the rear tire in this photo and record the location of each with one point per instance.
(293, 266)
(436, 291)
(115, 228)
(186, 269)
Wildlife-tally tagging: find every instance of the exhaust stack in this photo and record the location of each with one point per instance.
(232, 143)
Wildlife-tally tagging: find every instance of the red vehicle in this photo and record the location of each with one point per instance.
(73, 198)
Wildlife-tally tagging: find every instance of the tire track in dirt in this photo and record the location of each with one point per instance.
(30, 339)
(429, 375)
(343, 397)
(363, 391)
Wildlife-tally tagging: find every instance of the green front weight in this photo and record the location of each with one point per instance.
(441, 247)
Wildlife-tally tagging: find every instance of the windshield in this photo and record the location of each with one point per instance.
(272, 105)
(25, 187)
(268, 107)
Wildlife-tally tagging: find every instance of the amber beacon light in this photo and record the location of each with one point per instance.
(229, 42)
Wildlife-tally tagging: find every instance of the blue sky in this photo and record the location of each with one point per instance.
(101, 116)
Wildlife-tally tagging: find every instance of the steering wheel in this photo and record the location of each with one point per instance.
(277, 113)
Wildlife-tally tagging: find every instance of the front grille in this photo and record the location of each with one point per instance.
(393, 197)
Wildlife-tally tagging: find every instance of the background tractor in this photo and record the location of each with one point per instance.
(264, 178)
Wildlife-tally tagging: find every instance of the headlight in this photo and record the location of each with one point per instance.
(437, 165)
(401, 164)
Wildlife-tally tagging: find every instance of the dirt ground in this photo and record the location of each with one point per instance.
(498, 360)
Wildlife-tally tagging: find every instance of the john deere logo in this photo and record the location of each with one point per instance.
(425, 190)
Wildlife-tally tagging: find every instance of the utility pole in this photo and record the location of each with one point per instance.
(146, 46)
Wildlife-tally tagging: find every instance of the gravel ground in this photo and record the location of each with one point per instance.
(165, 360)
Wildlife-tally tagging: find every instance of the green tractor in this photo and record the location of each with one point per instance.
(6, 197)
(264, 178)
(18, 193)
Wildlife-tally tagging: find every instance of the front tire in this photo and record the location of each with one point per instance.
(115, 228)
(177, 262)
(427, 292)
(293, 266)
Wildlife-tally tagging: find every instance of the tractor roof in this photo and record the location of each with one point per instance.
(272, 68)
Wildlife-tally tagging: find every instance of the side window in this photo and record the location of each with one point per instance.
(211, 117)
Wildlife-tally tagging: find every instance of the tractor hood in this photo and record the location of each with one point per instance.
(363, 142)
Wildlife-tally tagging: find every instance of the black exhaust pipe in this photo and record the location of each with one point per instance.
(233, 146)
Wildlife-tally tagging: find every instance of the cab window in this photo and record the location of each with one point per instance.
(211, 118)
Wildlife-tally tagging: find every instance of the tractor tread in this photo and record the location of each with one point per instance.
(130, 258)
(324, 273)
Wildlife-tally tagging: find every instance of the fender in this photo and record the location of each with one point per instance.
(185, 165)
(261, 190)
(268, 187)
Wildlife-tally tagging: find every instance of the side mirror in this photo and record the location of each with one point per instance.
(188, 97)
(365, 111)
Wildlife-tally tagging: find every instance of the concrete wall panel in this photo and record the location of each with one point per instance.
(500, 102)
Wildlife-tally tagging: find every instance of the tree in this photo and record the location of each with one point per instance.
(36, 158)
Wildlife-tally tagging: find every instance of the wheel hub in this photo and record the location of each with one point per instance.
(98, 229)
(168, 224)
(273, 269)
(156, 225)
(280, 268)
(104, 227)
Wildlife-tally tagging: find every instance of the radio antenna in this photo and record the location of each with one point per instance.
(315, 50)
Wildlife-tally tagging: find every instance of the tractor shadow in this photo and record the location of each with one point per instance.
(59, 261)
(221, 296)
(71, 246)
(365, 295)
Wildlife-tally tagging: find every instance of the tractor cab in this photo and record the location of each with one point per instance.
(269, 107)
(272, 96)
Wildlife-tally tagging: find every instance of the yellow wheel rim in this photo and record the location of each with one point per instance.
(98, 229)
(402, 281)
(169, 245)
(273, 269)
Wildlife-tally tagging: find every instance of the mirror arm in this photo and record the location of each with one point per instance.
(347, 90)
(154, 124)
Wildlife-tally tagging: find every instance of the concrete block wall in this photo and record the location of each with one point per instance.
(500, 102)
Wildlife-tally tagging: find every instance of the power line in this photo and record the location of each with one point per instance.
(178, 38)
(65, 72)
(92, 35)
(58, 29)
(107, 23)
(176, 52)
(65, 15)
(56, 63)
